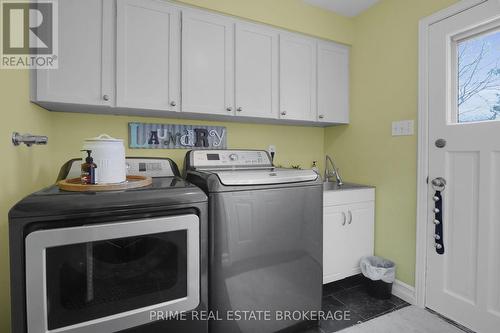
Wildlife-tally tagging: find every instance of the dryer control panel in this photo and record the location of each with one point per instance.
(143, 166)
(228, 159)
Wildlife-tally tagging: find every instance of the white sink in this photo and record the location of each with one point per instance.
(347, 193)
(333, 186)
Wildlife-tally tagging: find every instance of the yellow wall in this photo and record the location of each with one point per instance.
(383, 89)
(22, 170)
(295, 144)
(384, 67)
(25, 170)
(290, 14)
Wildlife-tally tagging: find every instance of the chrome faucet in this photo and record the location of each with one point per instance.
(333, 172)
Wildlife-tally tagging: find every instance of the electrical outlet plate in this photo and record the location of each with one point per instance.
(403, 128)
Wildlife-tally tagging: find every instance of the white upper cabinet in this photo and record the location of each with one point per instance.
(297, 77)
(160, 58)
(333, 83)
(256, 71)
(207, 63)
(85, 56)
(148, 55)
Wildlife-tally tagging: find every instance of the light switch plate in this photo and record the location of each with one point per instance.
(403, 127)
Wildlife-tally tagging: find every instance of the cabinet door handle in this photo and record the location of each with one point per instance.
(344, 218)
(350, 217)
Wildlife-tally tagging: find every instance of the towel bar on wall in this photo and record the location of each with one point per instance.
(29, 139)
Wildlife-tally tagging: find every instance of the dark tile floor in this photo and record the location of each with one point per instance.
(349, 296)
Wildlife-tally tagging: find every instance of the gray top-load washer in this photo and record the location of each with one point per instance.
(265, 240)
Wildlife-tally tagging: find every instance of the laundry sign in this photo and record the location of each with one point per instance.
(172, 136)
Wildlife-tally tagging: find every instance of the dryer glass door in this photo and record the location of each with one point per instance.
(110, 276)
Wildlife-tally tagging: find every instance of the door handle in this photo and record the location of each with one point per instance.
(350, 217)
(439, 186)
(344, 218)
(438, 183)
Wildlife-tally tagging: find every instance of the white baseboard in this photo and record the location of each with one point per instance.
(404, 291)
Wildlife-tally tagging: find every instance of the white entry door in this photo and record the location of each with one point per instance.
(463, 283)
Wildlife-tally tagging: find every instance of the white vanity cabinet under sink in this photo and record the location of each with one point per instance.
(348, 230)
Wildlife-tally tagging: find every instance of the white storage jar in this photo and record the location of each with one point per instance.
(109, 156)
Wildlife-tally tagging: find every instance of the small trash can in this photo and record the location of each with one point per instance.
(380, 273)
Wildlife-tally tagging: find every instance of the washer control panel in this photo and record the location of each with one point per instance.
(229, 159)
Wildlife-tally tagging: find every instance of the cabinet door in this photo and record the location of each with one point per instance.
(85, 55)
(147, 57)
(256, 71)
(297, 77)
(207, 63)
(333, 83)
(360, 232)
(336, 257)
(348, 235)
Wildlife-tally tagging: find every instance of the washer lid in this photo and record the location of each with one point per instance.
(263, 177)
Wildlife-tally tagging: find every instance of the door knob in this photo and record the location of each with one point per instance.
(105, 97)
(229, 109)
(321, 116)
(440, 143)
(438, 184)
(239, 109)
(283, 113)
(173, 103)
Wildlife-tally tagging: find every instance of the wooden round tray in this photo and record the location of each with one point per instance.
(74, 185)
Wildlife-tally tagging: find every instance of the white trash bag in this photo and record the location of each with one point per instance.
(376, 268)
